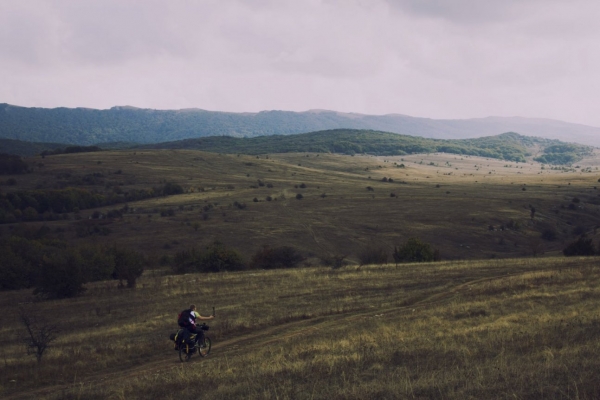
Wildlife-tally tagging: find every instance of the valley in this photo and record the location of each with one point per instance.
(502, 310)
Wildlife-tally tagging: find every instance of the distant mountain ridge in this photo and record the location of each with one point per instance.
(85, 126)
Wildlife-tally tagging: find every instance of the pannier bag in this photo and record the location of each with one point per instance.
(183, 336)
(178, 337)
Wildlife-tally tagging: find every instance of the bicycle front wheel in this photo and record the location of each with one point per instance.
(204, 349)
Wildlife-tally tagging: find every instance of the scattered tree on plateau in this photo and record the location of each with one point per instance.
(414, 250)
(581, 247)
(38, 333)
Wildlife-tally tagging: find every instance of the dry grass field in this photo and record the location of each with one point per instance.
(504, 315)
(512, 328)
(467, 207)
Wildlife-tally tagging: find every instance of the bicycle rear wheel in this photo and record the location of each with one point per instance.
(185, 352)
(205, 349)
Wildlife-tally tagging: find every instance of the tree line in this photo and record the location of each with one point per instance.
(71, 150)
(34, 259)
(35, 205)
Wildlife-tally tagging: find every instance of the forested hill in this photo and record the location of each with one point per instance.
(507, 146)
(83, 126)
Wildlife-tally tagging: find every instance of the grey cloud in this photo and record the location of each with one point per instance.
(26, 34)
(106, 32)
(94, 32)
(465, 11)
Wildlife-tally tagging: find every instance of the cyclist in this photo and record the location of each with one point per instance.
(188, 320)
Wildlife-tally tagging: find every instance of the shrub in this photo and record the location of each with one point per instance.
(61, 276)
(299, 196)
(216, 258)
(167, 212)
(129, 265)
(115, 214)
(581, 247)
(414, 250)
(549, 234)
(372, 255)
(513, 225)
(276, 258)
(334, 261)
(30, 214)
(239, 205)
(15, 272)
(185, 261)
(172, 188)
(99, 262)
(164, 260)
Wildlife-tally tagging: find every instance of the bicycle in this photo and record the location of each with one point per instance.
(187, 350)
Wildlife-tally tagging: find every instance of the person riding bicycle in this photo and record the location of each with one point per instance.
(187, 320)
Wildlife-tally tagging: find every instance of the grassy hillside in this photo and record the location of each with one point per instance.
(452, 330)
(467, 207)
(508, 146)
(503, 315)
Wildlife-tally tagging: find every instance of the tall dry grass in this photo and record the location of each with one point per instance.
(521, 328)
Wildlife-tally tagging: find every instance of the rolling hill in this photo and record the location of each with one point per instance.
(507, 146)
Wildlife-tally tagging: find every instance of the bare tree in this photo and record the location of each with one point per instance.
(39, 333)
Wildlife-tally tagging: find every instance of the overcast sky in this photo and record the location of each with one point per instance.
(425, 58)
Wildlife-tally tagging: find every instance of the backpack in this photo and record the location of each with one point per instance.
(183, 319)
